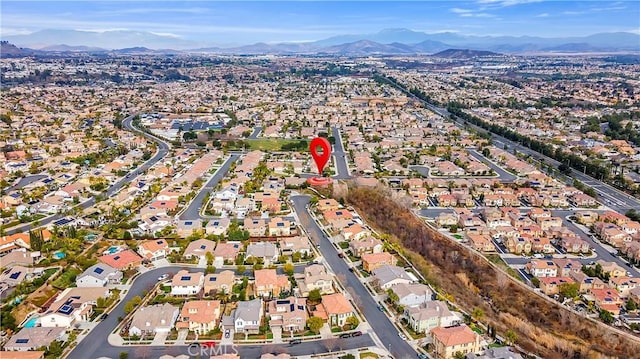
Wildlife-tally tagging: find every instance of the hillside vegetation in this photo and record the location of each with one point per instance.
(541, 326)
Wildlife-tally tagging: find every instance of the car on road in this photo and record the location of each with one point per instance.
(295, 341)
(402, 336)
(163, 277)
(345, 335)
(356, 334)
(340, 254)
(227, 333)
(422, 356)
(104, 316)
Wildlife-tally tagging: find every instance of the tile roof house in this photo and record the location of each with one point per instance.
(298, 244)
(290, 314)
(187, 283)
(607, 299)
(72, 305)
(122, 260)
(153, 249)
(365, 245)
(448, 341)
(265, 250)
(199, 316)
(219, 282)
(279, 227)
(217, 226)
(371, 261)
(270, 284)
(337, 308)
(99, 275)
(33, 338)
(551, 285)
(226, 252)
(185, 228)
(159, 318)
(542, 268)
(429, 315)
(199, 248)
(315, 277)
(256, 227)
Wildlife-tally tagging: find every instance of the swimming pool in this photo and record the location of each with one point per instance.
(31, 322)
(113, 249)
(59, 255)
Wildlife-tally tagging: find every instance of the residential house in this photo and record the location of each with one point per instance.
(199, 248)
(542, 245)
(247, 317)
(267, 251)
(624, 285)
(28, 339)
(219, 282)
(186, 283)
(122, 260)
(372, 261)
(279, 227)
(315, 277)
(365, 245)
(329, 204)
(586, 217)
(337, 308)
(449, 341)
(19, 256)
(387, 276)
(72, 305)
(154, 249)
(99, 275)
(355, 231)
(574, 245)
(290, 314)
(429, 315)
(149, 320)
(481, 243)
(607, 299)
(566, 266)
(518, 245)
(412, 294)
(185, 228)
(270, 284)
(542, 268)
(291, 245)
(199, 316)
(217, 226)
(585, 282)
(226, 252)
(551, 285)
(256, 227)
(611, 268)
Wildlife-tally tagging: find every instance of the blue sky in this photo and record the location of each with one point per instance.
(270, 21)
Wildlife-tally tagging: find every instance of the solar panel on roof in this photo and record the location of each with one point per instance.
(15, 275)
(66, 309)
(22, 341)
(188, 223)
(203, 246)
(116, 258)
(280, 302)
(98, 270)
(159, 242)
(212, 279)
(186, 277)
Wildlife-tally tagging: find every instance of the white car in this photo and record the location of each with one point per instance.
(163, 277)
(402, 336)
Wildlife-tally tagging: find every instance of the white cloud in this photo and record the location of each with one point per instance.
(544, 14)
(166, 34)
(7, 31)
(457, 10)
(504, 3)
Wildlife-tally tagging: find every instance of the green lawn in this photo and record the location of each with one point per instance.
(272, 144)
(66, 279)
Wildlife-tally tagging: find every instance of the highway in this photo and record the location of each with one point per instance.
(163, 149)
(379, 322)
(192, 212)
(612, 197)
(96, 344)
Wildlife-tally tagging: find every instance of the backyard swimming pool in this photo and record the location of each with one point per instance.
(59, 255)
(31, 322)
(112, 249)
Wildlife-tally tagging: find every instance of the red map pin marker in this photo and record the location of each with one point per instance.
(320, 159)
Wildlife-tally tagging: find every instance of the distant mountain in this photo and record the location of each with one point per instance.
(463, 54)
(139, 50)
(108, 39)
(10, 50)
(388, 41)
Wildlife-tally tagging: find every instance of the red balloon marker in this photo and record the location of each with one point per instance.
(320, 159)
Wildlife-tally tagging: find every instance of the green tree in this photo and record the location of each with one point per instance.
(393, 297)
(242, 268)
(510, 336)
(296, 256)
(606, 316)
(477, 314)
(569, 290)
(210, 269)
(314, 324)
(352, 321)
(123, 355)
(209, 257)
(129, 307)
(631, 305)
(315, 296)
(458, 355)
(288, 268)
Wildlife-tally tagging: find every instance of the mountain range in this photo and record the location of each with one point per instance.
(388, 41)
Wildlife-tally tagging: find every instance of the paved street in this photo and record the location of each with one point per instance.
(25, 181)
(193, 210)
(96, 345)
(505, 176)
(163, 149)
(340, 156)
(383, 327)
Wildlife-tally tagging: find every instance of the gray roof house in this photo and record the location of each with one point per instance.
(412, 294)
(265, 250)
(388, 276)
(99, 275)
(247, 316)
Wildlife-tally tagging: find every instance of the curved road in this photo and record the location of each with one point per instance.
(96, 344)
(163, 149)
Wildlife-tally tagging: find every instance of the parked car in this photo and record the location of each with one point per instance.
(356, 334)
(295, 341)
(104, 316)
(227, 333)
(345, 335)
(163, 277)
(402, 336)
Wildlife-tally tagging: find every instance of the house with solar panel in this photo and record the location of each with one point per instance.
(154, 249)
(99, 275)
(186, 283)
(33, 338)
(199, 248)
(290, 314)
(16, 275)
(73, 305)
(185, 228)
